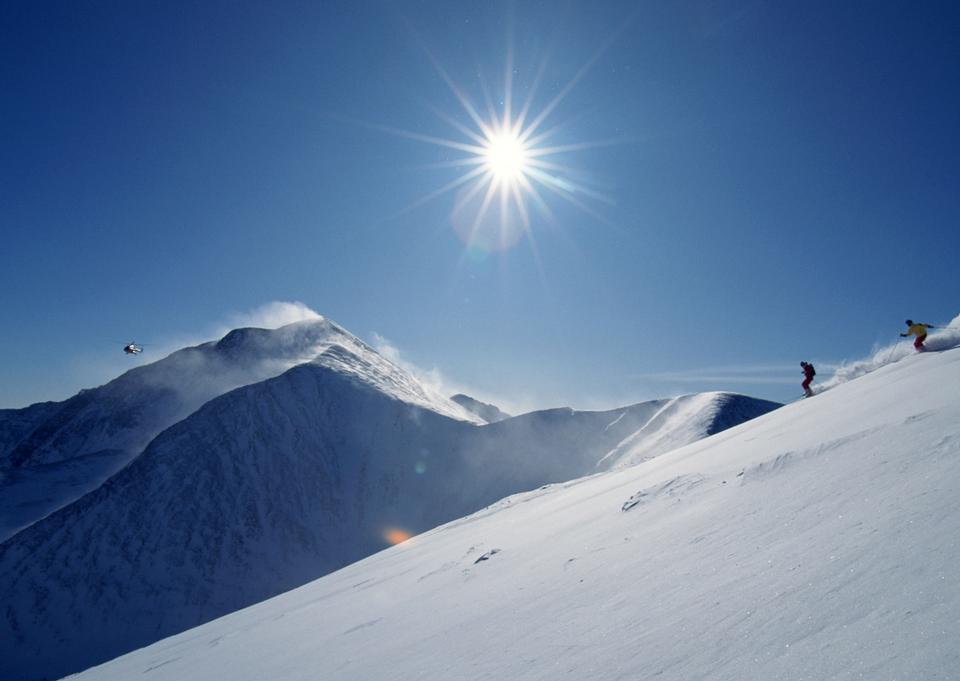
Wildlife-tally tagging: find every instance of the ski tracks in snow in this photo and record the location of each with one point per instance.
(466, 558)
(674, 487)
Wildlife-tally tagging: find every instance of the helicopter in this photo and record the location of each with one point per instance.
(132, 348)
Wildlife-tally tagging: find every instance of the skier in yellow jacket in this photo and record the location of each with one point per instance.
(918, 330)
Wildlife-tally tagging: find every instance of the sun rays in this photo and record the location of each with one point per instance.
(510, 166)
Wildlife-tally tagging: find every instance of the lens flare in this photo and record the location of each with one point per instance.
(395, 535)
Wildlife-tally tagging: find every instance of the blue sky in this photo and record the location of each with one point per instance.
(746, 185)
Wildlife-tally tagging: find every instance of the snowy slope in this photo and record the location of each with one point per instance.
(263, 489)
(53, 453)
(816, 542)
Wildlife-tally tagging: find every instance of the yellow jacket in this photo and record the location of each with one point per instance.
(918, 330)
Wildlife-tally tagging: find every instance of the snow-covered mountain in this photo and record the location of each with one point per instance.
(490, 413)
(269, 485)
(53, 453)
(680, 421)
(556, 445)
(815, 542)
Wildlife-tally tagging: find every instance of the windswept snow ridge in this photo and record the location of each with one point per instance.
(363, 364)
(816, 542)
(681, 421)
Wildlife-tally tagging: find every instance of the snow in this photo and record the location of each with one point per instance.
(680, 421)
(53, 453)
(363, 364)
(264, 488)
(488, 412)
(819, 541)
(938, 339)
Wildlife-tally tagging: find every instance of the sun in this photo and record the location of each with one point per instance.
(509, 164)
(506, 158)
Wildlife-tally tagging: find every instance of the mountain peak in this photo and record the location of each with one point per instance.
(488, 412)
(62, 450)
(304, 338)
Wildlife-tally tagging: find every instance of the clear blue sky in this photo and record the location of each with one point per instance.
(779, 181)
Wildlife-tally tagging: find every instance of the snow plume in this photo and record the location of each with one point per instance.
(433, 381)
(939, 339)
(272, 315)
(197, 367)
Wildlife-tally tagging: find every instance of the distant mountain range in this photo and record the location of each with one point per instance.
(229, 472)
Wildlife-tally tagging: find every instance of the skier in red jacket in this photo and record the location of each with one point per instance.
(808, 372)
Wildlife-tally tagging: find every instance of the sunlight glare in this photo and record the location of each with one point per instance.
(505, 157)
(506, 170)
